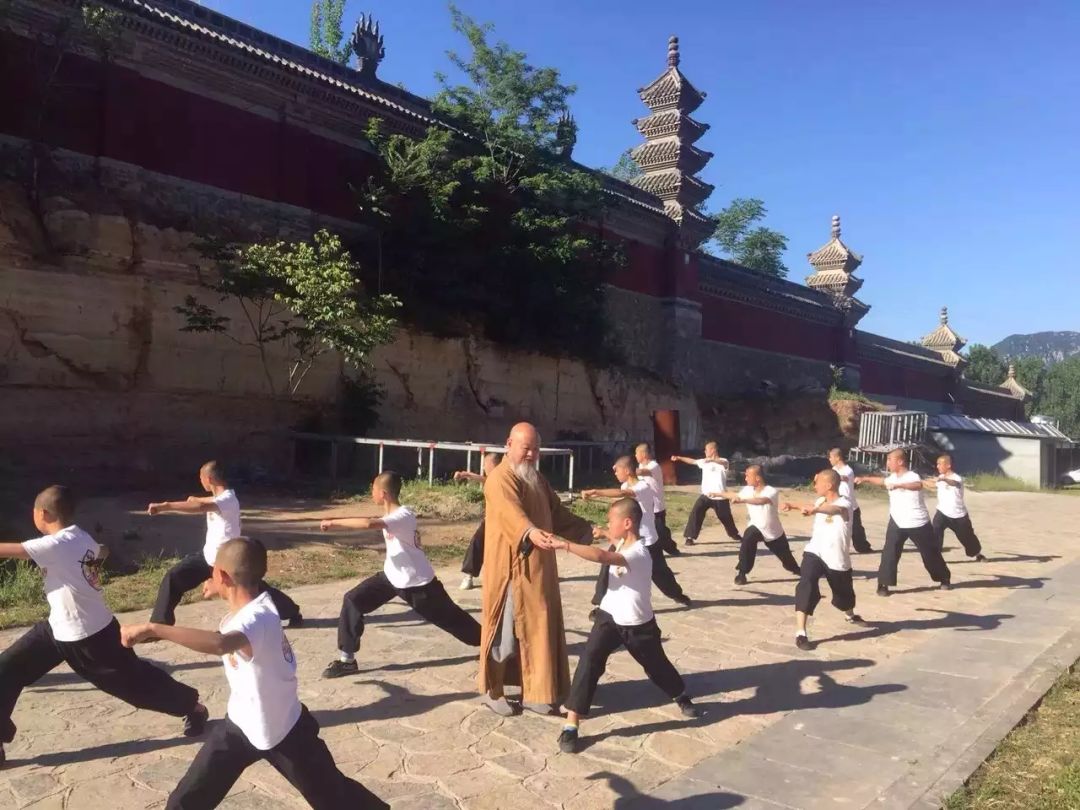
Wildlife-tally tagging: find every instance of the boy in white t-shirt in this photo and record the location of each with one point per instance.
(762, 508)
(625, 618)
(222, 510)
(648, 465)
(641, 490)
(473, 562)
(826, 555)
(908, 520)
(951, 511)
(265, 719)
(406, 574)
(847, 476)
(81, 630)
(714, 471)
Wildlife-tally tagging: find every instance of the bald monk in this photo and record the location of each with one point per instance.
(522, 639)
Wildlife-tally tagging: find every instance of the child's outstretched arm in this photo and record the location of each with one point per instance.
(590, 553)
(209, 642)
(589, 494)
(329, 524)
(13, 551)
(192, 506)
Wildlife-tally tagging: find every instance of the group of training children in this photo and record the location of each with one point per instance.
(265, 719)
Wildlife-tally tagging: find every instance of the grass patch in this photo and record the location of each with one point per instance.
(841, 395)
(442, 500)
(1036, 767)
(991, 482)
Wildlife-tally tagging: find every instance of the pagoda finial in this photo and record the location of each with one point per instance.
(944, 316)
(836, 226)
(1012, 371)
(673, 51)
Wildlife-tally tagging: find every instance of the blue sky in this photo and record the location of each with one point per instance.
(946, 134)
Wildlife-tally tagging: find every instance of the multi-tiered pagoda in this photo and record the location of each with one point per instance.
(668, 158)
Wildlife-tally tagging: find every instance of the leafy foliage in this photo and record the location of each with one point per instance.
(625, 168)
(758, 248)
(491, 233)
(302, 297)
(327, 37)
(1059, 396)
(984, 365)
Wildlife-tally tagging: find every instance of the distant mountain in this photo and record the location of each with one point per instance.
(1050, 346)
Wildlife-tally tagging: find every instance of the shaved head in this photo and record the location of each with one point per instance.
(837, 453)
(827, 481)
(627, 509)
(625, 462)
(523, 452)
(213, 472)
(58, 501)
(755, 475)
(389, 482)
(244, 560)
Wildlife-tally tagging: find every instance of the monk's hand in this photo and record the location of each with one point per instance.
(537, 536)
(549, 542)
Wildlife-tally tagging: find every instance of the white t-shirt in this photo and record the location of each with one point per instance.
(847, 476)
(646, 498)
(656, 475)
(830, 538)
(629, 595)
(406, 564)
(766, 517)
(950, 499)
(907, 507)
(77, 608)
(262, 689)
(713, 476)
(222, 525)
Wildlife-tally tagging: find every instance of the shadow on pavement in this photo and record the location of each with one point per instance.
(631, 799)
(948, 619)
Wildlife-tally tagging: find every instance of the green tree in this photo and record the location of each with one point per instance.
(1031, 373)
(1060, 396)
(327, 37)
(302, 298)
(758, 248)
(625, 168)
(490, 233)
(984, 365)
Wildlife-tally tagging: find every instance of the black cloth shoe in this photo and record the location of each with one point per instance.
(854, 618)
(945, 586)
(740, 579)
(195, 723)
(690, 541)
(568, 741)
(592, 614)
(687, 707)
(882, 590)
(803, 643)
(684, 600)
(674, 551)
(340, 669)
(980, 558)
(296, 621)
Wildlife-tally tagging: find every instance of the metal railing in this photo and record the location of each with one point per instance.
(881, 432)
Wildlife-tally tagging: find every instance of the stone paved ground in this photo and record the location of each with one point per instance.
(410, 728)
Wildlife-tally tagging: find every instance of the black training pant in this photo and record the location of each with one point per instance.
(779, 547)
(101, 659)
(662, 576)
(963, 530)
(641, 641)
(474, 554)
(925, 542)
(302, 758)
(697, 516)
(667, 542)
(190, 573)
(808, 591)
(858, 533)
(431, 601)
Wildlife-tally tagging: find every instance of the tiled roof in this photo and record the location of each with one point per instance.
(672, 184)
(671, 152)
(996, 427)
(671, 90)
(944, 338)
(670, 122)
(834, 254)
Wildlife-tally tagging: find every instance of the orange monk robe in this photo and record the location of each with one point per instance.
(541, 666)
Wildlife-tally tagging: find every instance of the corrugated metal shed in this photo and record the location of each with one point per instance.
(996, 427)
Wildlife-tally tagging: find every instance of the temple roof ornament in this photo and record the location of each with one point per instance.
(945, 341)
(668, 159)
(834, 264)
(1013, 386)
(367, 44)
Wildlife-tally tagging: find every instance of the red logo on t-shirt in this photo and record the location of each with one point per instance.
(91, 570)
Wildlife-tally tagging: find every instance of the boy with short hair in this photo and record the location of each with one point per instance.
(81, 630)
(762, 508)
(648, 465)
(473, 561)
(714, 471)
(951, 511)
(908, 520)
(641, 490)
(222, 510)
(406, 574)
(625, 619)
(847, 490)
(265, 719)
(826, 555)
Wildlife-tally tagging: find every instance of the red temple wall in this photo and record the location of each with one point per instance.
(746, 325)
(900, 381)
